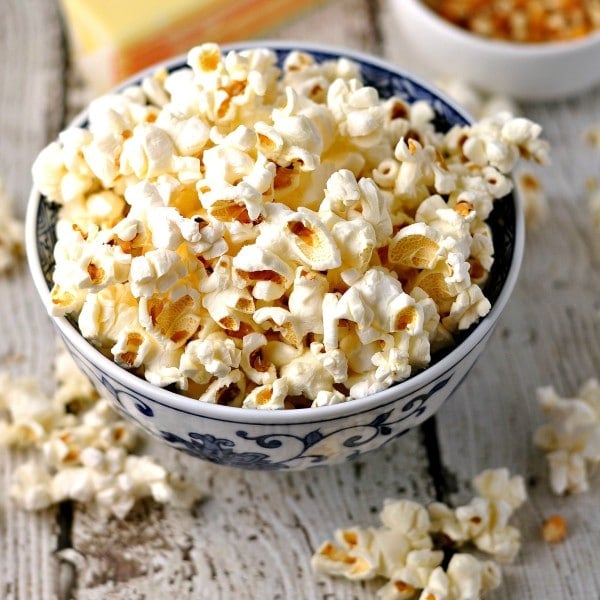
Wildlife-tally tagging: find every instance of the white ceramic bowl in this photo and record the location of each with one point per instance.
(544, 71)
(293, 439)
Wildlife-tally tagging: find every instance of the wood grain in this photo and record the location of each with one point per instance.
(31, 93)
(253, 535)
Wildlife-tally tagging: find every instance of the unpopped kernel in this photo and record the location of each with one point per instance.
(409, 548)
(219, 220)
(85, 449)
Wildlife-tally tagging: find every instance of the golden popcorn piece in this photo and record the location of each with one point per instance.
(205, 59)
(434, 284)
(415, 246)
(270, 396)
(174, 321)
(63, 301)
(230, 306)
(312, 243)
(131, 347)
(333, 559)
(268, 275)
(282, 321)
(534, 198)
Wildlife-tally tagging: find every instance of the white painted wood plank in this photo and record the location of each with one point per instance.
(30, 113)
(254, 534)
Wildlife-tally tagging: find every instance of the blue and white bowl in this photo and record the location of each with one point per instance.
(303, 438)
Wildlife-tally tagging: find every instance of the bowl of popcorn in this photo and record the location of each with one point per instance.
(276, 256)
(543, 50)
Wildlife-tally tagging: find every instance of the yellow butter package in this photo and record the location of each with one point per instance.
(112, 39)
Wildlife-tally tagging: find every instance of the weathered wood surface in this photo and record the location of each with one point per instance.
(253, 535)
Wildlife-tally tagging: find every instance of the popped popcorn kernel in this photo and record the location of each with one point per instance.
(84, 448)
(554, 529)
(409, 549)
(274, 236)
(571, 437)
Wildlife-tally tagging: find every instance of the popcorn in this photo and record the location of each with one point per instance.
(572, 436)
(357, 111)
(31, 485)
(408, 551)
(475, 101)
(213, 356)
(268, 274)
(11, 234)
(268, 396)
(484, 521)
(253, 362)
(416, 246)
(468, 306)
(554, 529)
(236, 228)
(228, 390)
(30, 415)
(465, 578)
(306, 376)
(311, 242)
(83, 448)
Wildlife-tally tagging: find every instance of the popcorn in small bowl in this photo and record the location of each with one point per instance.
(277, 227)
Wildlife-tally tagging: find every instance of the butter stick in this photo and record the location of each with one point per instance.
(111, 39)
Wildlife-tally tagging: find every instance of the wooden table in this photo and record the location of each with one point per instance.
(254, 535)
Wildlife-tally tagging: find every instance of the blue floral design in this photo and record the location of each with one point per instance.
(355, 437)
(219, 451)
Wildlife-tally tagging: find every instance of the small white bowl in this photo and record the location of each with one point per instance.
(293, 439)
(536, 71)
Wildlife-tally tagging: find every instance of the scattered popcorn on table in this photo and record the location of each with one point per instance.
(11, 234)
(85, 448)
(478, 103)
(535, 202)
(409, 548)
(572, 436)
(219, 220)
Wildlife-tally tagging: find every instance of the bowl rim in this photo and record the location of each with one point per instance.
(167, 398)
(518, 50)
